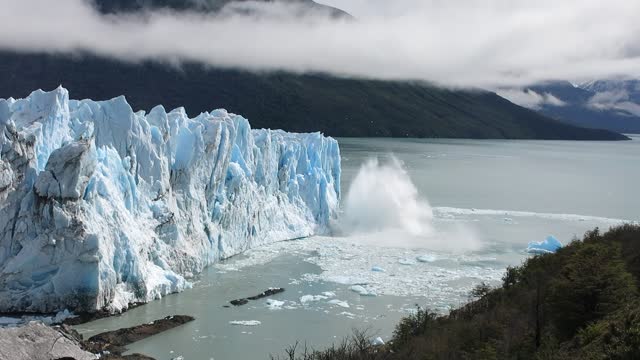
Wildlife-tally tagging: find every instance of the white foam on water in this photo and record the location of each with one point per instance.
(47, 320)
(425, 252)
(245, 322)
(349, 263)
(382, 196)
(305, 299)
(340, 303)
(447, 212)
(384, 208)
(274, 304)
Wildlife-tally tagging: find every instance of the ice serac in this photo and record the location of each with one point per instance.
(101, 207)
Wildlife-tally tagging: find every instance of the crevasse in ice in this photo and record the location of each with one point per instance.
(101, 207)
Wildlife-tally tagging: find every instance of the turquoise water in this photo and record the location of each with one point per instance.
(502, 193)
(589, 178)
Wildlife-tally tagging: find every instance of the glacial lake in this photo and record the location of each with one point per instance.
(429, 221)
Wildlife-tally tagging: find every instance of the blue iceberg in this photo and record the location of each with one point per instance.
(549, 245)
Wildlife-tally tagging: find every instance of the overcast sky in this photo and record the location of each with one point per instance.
(466, 43)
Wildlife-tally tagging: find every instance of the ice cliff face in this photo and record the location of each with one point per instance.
(101, 207)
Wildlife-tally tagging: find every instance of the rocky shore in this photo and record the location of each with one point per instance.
(37, 341)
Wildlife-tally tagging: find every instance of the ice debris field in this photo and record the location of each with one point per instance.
(101, 206)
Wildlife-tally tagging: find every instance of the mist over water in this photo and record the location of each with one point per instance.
(383, 207)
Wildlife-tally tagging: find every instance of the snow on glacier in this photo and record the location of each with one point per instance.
(101, 206)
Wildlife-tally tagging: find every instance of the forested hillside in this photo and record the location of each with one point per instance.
(300, 103)
(580, 303)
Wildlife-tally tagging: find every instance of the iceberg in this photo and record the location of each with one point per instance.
(245, 322)
(337, 302)
(101, 206)
(549, 245)
(362, 290)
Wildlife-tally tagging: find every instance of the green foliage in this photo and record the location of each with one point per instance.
(413, 325)
(616, 338)
(481, 290)
(579, 303)
(511, 277)
(486, 351)
(592, 284)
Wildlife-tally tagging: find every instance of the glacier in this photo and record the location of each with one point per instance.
(102, 207)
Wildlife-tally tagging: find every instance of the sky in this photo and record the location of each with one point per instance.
(455, 43)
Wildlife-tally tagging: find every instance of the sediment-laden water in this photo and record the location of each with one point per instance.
(422, 224)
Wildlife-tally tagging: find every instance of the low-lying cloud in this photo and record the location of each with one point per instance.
(465, 43)
(618, 100)
(530, 99)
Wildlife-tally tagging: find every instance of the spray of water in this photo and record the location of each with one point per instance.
(383, 207)
(383, 197)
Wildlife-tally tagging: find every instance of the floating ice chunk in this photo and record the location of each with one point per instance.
(274, 304)
(62, 316)
(426, 258)
(348, 314)
(312, 298)
(444, 211)
(6, 321)
(377, 269)
(407, 262)
(245, 322)
(329, 294)
(362, 290)
(47, 320)
(549, 245)
(377, 341)
(340, 303)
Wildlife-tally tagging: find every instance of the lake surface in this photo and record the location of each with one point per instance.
(476, 205)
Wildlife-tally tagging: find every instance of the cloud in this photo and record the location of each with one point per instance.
(458, 43)
(614, 100)
(529, 98)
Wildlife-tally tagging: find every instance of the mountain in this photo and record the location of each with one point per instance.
(612, 105)
(631, 89)
(300, 103)
(210, 6)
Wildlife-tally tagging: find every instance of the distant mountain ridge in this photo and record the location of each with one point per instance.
(211, 6)
(631, 87)
(603, 104)
(299, 103)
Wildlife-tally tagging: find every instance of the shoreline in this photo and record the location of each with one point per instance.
(28, 341)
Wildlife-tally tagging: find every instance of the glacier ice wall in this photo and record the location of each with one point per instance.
(101, 207)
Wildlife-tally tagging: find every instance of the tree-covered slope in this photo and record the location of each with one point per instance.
(599, 105)
(582, 302)
(211, 6)
(302, 103)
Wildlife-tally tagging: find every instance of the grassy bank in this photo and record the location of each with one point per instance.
(580, 303)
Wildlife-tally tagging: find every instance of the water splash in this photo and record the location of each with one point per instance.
(383, 197)
(383, 207)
